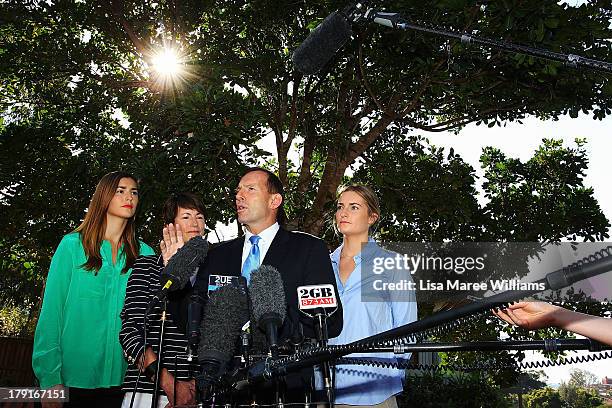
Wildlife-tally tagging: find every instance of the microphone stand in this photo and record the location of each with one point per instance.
(326, 367)
(395, 20)
(155, 401)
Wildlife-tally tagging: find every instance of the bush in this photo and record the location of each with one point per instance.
(451, 390)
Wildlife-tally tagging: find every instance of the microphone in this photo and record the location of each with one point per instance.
(225, 314)
(180, 268)
(194, 318)
(322, 44)
(315, 301)
(268, 302)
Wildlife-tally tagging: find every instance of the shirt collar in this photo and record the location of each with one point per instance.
(366, 252)
(266, 235)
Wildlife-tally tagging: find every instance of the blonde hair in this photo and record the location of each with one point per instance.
(368, 195)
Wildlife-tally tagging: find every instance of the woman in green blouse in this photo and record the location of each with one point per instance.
(76, 343)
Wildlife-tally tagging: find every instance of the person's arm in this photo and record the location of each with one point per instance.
(403, 304)
(137, 294)
(47, 354)
(536, 315)
(131, 336)
(184, 390)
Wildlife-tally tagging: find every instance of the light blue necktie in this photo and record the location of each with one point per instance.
(252, 261)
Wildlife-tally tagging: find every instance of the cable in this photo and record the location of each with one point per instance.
(482, 366)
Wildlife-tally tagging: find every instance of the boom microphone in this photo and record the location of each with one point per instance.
(268, 301)
(322, 44)
(225, 314)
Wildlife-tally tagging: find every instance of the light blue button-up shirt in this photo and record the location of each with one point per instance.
(362, 384)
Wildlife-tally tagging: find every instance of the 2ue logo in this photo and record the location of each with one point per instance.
(313, 296)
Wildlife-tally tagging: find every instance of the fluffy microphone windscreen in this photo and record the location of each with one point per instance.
(226, 312)
(267, 293)
(321, 44)
(182, 264)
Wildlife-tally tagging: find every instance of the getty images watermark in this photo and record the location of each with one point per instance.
(458, 265)
(438, 271)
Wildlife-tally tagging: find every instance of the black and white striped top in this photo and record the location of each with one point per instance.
(143, 283)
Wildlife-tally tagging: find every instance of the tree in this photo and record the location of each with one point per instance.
(451, 390)
(417, 82)
(578, 396)
(582, 378)
(96, 52)
(543, 398)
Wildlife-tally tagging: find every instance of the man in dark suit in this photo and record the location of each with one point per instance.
(301, 259)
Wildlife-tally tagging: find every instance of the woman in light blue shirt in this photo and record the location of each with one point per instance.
(368, 309)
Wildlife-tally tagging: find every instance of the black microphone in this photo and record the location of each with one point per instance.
(268, 303)
(318, 302)
(180, 268)
(194, 318)
(322, 44)
(225, 314)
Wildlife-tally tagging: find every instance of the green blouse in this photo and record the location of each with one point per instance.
(77, 337)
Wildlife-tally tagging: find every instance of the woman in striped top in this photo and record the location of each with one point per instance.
(183, 215)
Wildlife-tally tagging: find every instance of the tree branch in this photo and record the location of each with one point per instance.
(116, 8)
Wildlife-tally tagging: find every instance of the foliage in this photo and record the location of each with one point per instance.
(92, 60)
(15, 322)
(524, 198)
(579, 397)
(543, 398)
(451, 390)
(582, 378)
(569, 395)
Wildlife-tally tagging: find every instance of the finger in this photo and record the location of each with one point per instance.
(179, 234)
(517, 320)
(166, 235)
(502, 315)
(518, 305)
(162, 246)
(172, 232)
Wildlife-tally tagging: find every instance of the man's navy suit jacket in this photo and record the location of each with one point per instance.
(301, 259)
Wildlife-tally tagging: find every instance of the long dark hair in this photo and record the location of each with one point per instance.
(93, 227)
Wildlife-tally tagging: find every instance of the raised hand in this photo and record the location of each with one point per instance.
(172, 241)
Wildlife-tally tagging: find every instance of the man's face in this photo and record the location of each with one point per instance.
(255, 205)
